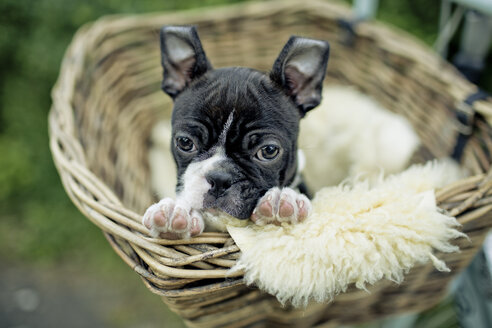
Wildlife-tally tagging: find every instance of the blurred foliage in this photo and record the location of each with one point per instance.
(420, 17)
(37, 220)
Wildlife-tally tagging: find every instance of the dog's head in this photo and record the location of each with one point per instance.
(235, 129)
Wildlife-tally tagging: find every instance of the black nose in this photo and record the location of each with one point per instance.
(219, 182)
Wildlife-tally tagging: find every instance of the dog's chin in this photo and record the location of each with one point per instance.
(222, 213)
(237, 214)
(239, 208)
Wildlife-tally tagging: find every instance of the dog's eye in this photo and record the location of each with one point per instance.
(185, 144)
(267, 153)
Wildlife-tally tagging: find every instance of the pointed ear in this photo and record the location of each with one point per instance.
(182, 58)
(300, 70)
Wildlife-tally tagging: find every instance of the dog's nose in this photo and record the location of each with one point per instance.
(219, 182)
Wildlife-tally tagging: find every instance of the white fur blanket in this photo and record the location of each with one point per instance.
(357, 234)
(350, 134)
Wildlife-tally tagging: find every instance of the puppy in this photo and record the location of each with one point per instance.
(234, 134)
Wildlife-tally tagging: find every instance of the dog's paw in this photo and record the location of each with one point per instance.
(281, 205)
(169, 220)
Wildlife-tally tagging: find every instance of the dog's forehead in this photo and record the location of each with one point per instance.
(250, 96)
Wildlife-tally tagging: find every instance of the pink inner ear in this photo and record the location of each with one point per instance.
(179, 75)
(295, 79)
(185, 67)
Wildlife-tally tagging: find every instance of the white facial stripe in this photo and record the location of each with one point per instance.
(227, 126)
(194, 183)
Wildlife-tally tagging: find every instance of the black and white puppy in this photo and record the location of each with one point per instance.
(234, 134)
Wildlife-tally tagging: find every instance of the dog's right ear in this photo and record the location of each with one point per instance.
(182, 58)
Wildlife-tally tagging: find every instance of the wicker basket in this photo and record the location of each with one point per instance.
(108, 97)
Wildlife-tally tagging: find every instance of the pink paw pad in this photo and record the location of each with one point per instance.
(281, 205)
(179, 220)
(265, 208)
(159, 219)
(285, 209)
(303, 209)
(168, 220)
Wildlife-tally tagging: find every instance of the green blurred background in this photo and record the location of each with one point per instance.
(50, 255)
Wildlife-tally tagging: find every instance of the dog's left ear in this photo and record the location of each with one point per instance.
(300, 70)
(182, 58)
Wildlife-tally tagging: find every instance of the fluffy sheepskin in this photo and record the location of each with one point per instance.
(357, 234)
(350, 134)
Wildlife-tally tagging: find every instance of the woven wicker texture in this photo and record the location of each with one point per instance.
(108, 97)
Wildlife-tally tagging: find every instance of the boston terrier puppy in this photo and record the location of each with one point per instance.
(234, 134)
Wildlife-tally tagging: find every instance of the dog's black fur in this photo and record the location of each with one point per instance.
(265, 111)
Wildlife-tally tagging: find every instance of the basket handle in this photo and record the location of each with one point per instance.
(348, 26)
(465, 120)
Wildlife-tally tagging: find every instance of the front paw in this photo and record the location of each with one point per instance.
(281, 205)
(169, 220)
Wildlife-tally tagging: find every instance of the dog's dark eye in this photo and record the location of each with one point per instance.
(267, 153)
(185, 144)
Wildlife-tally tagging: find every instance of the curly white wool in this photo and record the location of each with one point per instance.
(350, 134)
(357, 234)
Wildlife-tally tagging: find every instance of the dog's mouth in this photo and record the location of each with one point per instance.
(238, 214)
(233, 206)
(220, 213)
